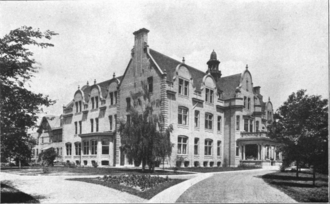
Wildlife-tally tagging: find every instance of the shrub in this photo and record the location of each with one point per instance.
(196, 163)
(69, 164)
(179, 161)
(94, 163)
(143, 182)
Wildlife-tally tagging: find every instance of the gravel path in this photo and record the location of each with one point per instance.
(55, 189)
(235, 187)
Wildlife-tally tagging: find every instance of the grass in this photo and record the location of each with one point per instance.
(301, 189)
(148, 194)
(12, 195)
(215, 169)
(87, 171)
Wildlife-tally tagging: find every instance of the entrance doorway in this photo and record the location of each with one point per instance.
(251, 152)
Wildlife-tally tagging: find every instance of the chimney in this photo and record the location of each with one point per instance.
(141, 38)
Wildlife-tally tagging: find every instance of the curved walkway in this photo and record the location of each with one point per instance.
(235, 187)
(55, 189)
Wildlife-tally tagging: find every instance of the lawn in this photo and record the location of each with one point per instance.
(12, 195)
(301, 189)
(55, 171)
(214, 169)
(148, 194)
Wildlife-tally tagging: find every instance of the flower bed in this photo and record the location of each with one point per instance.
(139, 182)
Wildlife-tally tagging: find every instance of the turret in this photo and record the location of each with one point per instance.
(213, 66)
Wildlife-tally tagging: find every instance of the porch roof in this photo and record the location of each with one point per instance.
(95, 134)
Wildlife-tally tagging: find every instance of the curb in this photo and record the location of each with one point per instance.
(171, 194)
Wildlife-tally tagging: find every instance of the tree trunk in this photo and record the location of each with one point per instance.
(19, 164)
(297, 174)
(143, 165)
(313, 176)
(163, 163)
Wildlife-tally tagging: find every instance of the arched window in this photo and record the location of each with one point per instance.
(182, 144)
(183, 116)
(208, 147)
(68, 148)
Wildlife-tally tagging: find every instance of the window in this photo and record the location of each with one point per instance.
(251, 126)
(246, 125)
(110, 121)
(219, 123)
(93, 103)
(105, 147)
(237, 122)
(150, 84)
(209, 96)
(80, 127)
(244, 101)
(96, 102)
(249, 101)
(76, 128)
(182, 145)
(115, 97)
(78, 148)
(97, 124)
(92, 125)
(196, 118)
(94, 147)
(208, 147)
(247, 85)
(183, 87)
(196, 144)
(116, 121)
(79, 106)
(208, 121)
(237, 151)
(219, 148)
(68, 148)
(183, 116)
(86, 147)
(257, 126)
(128, 101)
(111, 98)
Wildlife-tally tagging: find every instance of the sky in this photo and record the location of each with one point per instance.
(284, 43)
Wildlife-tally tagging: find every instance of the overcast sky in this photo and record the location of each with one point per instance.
(285, 43)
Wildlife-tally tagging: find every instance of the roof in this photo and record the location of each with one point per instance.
(169, 65)
(103, 85)
(53, 121)
(228, 85)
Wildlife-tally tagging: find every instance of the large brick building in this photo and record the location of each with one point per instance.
(217, 121)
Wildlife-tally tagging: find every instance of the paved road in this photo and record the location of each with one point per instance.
(55, 189)
(235, 187)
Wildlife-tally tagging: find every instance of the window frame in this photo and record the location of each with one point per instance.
(183, 113)
(219, 148)
(183, 87)
(96, 125)
(246, 125)
(107, 145)
(93, 147)
(68, 147)
(92, 124)
(80, 127)
(150, 84)
(208, 146)
(219, 123)
(238, 122)
(110, 122)
(196, 146)
(77, 146)
(197, 119)
(208, 121)
(86, 147)
(182, 145)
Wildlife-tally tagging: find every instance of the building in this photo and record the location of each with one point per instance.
(48, 135)
(218, 121)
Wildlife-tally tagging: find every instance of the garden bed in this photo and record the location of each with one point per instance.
(214, 169)
(301, 189)
(144, 186)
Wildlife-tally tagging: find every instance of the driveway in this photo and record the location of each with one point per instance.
(235, 187)
(55, 189)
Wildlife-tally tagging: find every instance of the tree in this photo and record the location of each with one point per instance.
(19, 106)
(144, 138)
(301, 126)
(48, 156)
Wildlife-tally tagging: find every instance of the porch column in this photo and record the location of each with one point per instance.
(243, 152)
(99, 151)
(262, 152)
(259, 156)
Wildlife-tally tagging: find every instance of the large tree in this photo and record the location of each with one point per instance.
(19, 106)
(301, 126)
(144, 138)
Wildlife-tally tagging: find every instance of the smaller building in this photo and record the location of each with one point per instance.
(49, 134)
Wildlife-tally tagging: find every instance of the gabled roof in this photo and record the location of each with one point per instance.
(103, 85)
(228, 85)
(169, 65)
(53, 121)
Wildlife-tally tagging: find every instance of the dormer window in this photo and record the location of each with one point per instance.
(247, 85)
(183, 87)
(209, 95)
